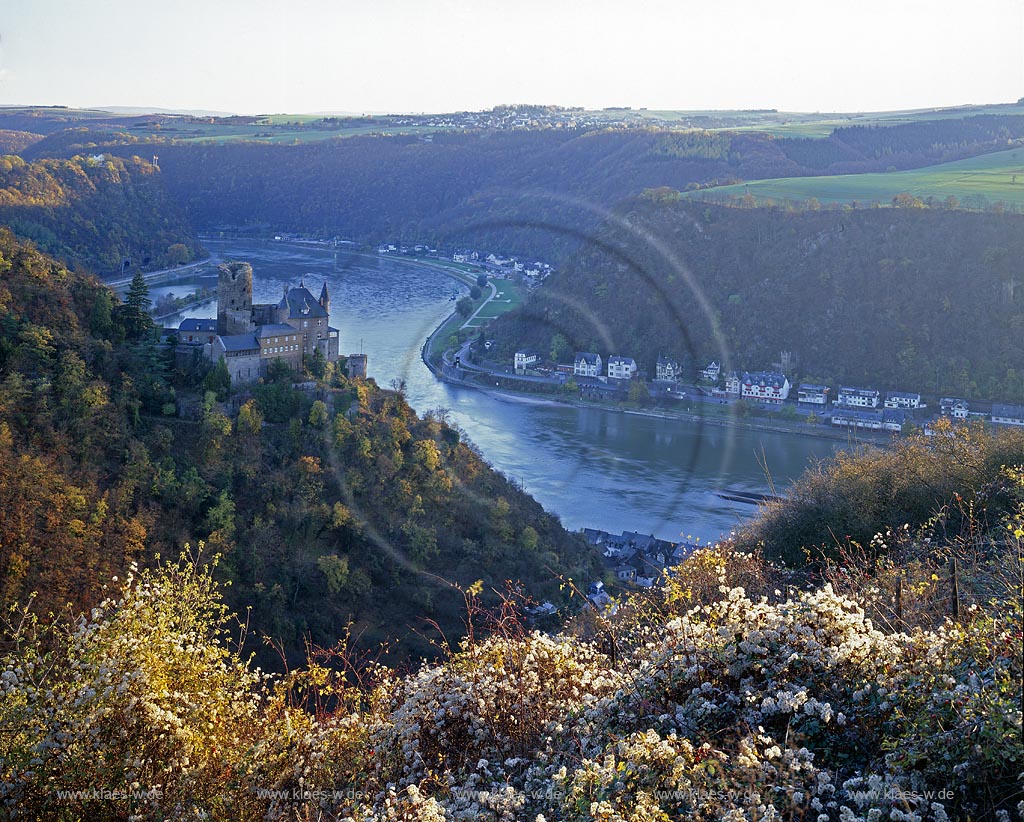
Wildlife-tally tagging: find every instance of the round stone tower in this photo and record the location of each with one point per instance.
(234, 299)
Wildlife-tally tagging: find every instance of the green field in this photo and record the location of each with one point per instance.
(976, 182)
(283, 133)
(798, 124)
(509, 295)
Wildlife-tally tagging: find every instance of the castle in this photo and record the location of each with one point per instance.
(250, 337)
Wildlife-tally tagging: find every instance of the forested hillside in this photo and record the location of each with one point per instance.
(95, 212)
(918, 300)
(346, 508)
(14, 142)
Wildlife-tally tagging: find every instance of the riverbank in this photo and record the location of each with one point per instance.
(803, 429)
(818, 431)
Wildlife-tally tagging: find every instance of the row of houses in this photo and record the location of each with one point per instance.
(853, 406)
(589, 364)
(635, 558)
(533, 272)
(852, 397)
(865, 407)
(585, 364)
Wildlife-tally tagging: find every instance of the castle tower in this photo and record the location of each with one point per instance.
(325, 299)
(234, 299)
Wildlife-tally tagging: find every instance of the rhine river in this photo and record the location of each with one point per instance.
(590, 467)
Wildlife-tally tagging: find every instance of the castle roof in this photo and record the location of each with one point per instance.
(194, 324)
(301, 304)
(275, 330)
(239, 342)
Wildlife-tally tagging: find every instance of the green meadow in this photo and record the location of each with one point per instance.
(976, 182)
(509, 295)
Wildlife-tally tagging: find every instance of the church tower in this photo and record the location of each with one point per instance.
(234, 299)
(325, 299)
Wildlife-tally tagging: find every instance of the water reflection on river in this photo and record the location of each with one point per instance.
(601, 469)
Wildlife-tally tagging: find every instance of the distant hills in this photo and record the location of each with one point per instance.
(529, 180)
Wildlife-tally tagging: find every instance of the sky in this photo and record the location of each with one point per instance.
(304, 56)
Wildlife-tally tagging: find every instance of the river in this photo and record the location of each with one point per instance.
(592, 467)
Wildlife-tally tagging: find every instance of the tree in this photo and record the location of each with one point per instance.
(638, 391)
(250, 420)
(475, 293)
(101, 321)
(528, 538)
(177, 253)
(135, 312)
(560, 348)
(464, 306)
(335, 571)
(218, 380)
(318, 414)
(481, 280)
(278, 371)
(316, 364)
(220, 520)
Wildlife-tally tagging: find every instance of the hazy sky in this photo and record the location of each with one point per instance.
(256, 56)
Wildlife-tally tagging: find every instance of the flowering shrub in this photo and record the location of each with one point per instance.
(142, 699)
(736, 708)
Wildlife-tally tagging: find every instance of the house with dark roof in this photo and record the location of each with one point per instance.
(308, 315)
(1007, 414)
(764, 386)
(197, 331)
(525, 358)
(893, 419)
(667, 370)
(711, 371)
(621, 368)
(954, 407)
(902, 399)
(870, 419)
(812, 394)
(241, 355)
(858, 397)
(587, 364)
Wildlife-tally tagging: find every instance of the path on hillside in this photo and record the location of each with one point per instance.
(494, 293)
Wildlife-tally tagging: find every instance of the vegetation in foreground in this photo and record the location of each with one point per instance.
(729, 694)
(937, 482)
